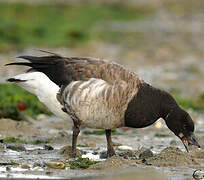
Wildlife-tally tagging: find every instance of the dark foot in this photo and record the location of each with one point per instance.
(110, 153)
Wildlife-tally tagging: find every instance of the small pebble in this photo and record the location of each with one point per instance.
(123, 148)
(55, 165)
(36, 168)
(25, 166)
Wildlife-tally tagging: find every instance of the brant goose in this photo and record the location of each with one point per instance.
(101, 94)
(39, 84)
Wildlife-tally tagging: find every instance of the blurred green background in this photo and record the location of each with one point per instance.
(65, 24)
(160, 40)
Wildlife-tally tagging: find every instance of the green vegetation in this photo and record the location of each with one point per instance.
(162, 135)
(82, 163)
(11, 95)
(39, 141)
(100, 132)
(82, 145)
(11, 139)
(195, 104)
(11, 163)
(54, 25)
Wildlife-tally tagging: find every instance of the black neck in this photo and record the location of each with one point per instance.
(148, 105)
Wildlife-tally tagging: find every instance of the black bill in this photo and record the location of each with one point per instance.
(190, 140)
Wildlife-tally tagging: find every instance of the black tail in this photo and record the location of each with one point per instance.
(15, 80)
(19, 64)
(54, 66)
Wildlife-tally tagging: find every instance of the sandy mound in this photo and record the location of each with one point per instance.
(198, 154)
(114, 162)
(172, 156)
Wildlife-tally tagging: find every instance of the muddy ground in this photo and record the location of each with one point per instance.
(155, 152)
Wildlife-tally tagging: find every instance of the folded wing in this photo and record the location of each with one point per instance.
(63, 70)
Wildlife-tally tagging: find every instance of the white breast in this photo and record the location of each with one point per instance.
(89, 101)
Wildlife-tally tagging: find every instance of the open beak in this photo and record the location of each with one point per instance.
(190, 140)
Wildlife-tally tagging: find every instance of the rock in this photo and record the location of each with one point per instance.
(103, 155)
(146, 154)
(16, 147)
(124, 148)
(55, 165)
(48, 147)
(25, 166)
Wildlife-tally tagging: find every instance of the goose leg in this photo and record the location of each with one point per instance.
(76, 131)
(110, 149)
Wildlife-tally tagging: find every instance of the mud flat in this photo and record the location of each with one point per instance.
(40, 150)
